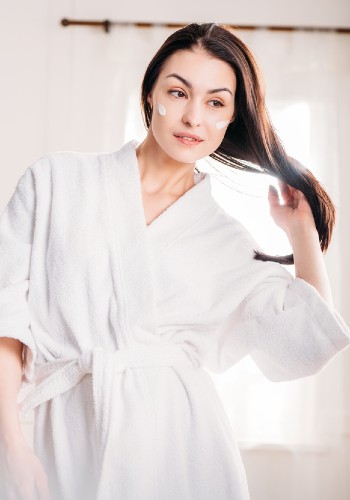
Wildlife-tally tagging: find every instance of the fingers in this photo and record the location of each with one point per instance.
(43, 491)
(28, 494)
(23, 493)
(287, 192)
(291, 196)
(273, 196)
(42, 487)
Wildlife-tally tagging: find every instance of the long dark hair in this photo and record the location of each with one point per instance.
(250, 138)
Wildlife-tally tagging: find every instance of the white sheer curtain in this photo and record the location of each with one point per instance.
(304, 75)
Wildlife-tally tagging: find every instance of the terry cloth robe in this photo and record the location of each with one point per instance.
(121, 322)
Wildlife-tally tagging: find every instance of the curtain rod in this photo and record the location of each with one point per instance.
(106, 25)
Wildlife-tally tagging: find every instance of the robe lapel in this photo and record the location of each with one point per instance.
(181, 214)
(135, 243)
(134, 290)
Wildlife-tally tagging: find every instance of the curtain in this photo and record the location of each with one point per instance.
(305, 77)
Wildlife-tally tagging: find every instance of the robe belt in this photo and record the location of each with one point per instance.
(58, 376)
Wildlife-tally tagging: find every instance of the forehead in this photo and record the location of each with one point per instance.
(199, 68)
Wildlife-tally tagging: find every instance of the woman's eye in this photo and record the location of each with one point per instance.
(217, 104)
(180, 94)
(172, 92)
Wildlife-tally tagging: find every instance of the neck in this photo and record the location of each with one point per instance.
(159, 172)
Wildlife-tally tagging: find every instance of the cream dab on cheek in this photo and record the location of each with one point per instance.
(222, 124)
(161, 109)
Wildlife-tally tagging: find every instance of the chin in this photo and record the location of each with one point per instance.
(186, 157)
(182, 154)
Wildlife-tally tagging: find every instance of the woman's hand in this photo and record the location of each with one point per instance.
(296, 218)
(22, 476)
(295, 212)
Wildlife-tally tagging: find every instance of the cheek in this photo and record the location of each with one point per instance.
(222, 124)
(166, 114)
(160, 109)
(218, 121)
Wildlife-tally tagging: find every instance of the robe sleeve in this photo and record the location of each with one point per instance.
(16, 236)
(282, 322)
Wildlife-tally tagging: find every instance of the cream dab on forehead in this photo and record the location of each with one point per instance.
(161, 109)
(222, 124)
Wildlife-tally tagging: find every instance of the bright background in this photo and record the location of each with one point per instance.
(77, 89)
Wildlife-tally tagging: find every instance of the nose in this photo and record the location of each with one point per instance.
(192, 114)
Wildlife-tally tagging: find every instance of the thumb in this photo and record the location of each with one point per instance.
(273, 196)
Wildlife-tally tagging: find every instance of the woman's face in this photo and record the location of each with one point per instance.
(193, 96)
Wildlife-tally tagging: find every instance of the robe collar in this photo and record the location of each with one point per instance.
(194, 204)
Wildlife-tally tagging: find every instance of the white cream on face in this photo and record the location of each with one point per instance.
(222, 124)
(161, 109)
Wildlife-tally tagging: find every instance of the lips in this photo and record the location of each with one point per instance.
(188, 142)
(185, 136)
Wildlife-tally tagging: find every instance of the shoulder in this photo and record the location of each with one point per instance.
(72, 160)
(62, 168)
(63, 159)
(64, 173)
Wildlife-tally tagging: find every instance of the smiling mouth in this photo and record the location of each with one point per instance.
(188, 138)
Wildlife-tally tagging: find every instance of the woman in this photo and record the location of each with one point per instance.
(122, 279)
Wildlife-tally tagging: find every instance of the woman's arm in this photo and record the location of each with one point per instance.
(309, 261)
(22, 475)
(10, 382)
(296, 219)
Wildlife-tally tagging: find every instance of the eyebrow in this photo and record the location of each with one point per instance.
(189, 85)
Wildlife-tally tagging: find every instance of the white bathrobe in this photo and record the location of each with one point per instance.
(121, 321)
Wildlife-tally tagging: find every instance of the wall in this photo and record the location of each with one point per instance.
(298, 12)
(35, 55)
